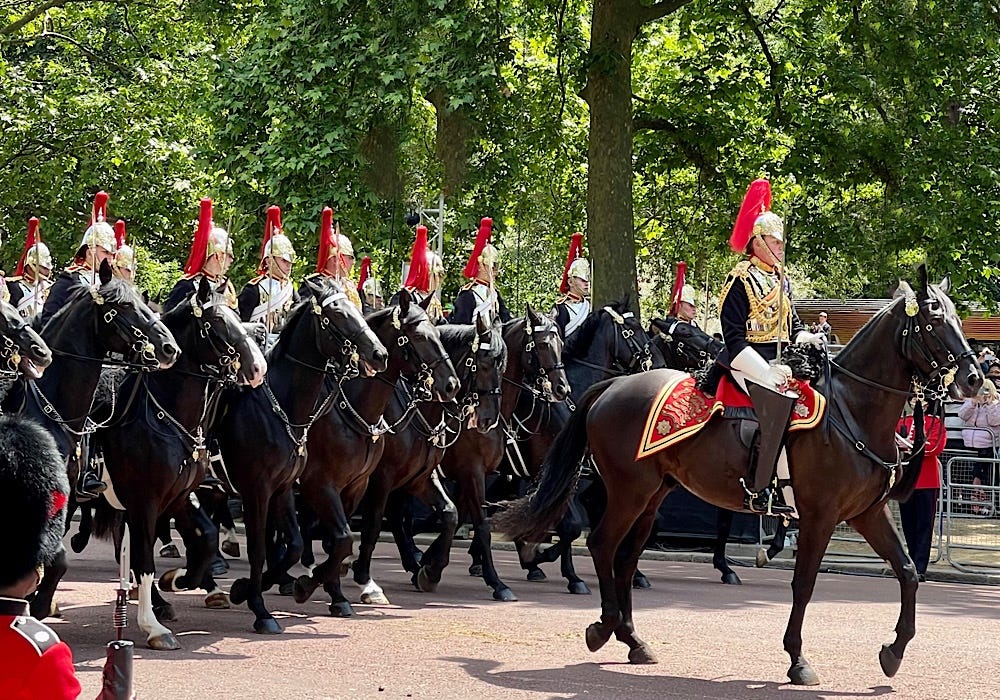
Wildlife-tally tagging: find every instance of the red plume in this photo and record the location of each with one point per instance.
(575, 251)
(199, 247)
(471, 270)
(419, 276)
(325, 238)
(756, 201)
(29, 242)
(271, 227)
(100, 212)
(366, 271)
(679, 279)
(119, 233)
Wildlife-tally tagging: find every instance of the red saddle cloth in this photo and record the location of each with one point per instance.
(680, 410)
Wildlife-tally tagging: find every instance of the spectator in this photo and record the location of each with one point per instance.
(918, 512)
(993, 372)
(986, 358)
(821, 326)
(981, 418)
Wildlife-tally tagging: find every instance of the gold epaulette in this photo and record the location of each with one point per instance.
(741, 271)
(470, 285)
(257, 279)
(18, 278)
(191, 276)
(76, 267)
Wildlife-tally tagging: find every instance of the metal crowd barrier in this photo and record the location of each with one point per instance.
(969, 513)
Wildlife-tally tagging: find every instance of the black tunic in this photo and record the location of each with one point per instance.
(62, 289)
(466, 303)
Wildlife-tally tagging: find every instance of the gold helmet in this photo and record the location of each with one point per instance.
(218, 242)
(279, 246)
(687, 295)
(125, 258)
(372, 288)
(580, 268)
(100, 233)
(38, 256)
(769, 224)
(341, 245)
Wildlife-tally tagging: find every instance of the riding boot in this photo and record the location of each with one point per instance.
(773, 413)
(89, 486)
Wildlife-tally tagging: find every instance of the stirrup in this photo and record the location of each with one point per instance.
(89, 487)
(763, 502)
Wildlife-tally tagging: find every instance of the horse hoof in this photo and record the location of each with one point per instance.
(217, 601)
(303, 588)
(341, 609)
(641, 655)
(168, 582)
(424, 581)
(536, 574)
(164, 642)
(889, 661)
(267, 625)
(762, 559)
(578, 588)
(374, 599)
(170, 551)
(640, 581)
(505, 595)
(165, 613)
(78, 542)
(286, 588)
(802, 674)
(731, 579)
(596, 637)
(231, 549)
(239, 591)
(476, 570)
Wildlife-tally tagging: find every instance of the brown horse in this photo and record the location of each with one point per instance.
(844, 471)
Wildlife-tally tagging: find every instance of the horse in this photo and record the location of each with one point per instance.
(610, 342)
(844, 471)
(155, 450)
(95, 322)
(262, 432)
(413, 450)
(23, 353)
(346, 443)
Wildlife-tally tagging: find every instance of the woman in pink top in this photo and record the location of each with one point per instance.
(981, 417)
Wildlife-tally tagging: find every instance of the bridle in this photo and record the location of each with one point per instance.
(679, 346)
(538, 374)
(641, 359)
(422, 384)
(346, 366)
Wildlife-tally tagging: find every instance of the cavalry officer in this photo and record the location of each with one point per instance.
(124, 265)
(756, 315)
(369, 288)
(572, 309)
(480, 296)
(98, 245)
(210, 257)
(335, 259)
(687, 306)
(29, 287)
(424, 277)
(268, 297)
(34, 663)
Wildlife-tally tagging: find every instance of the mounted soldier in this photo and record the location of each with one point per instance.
(268, 297)
(210, 257)
(480, 296)
(29, 287)
(424, 277)
(124, 265)
(573, 307)
(683, 305)
(369, 288)
(757, 318)
(335, 259)
(98, 245)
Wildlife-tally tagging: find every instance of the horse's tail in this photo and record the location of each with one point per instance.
(107, 520)
(530, 517)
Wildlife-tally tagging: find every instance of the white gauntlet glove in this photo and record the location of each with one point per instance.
(817, 340)
(750, 362)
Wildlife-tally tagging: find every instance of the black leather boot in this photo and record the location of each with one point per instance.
(773, 410)
(89, 486)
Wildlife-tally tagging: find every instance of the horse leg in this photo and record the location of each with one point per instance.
(476, 554)
(79, 541)
(765, 556)
(437, 556)
(327, 504)
(569, 529)
(723, 526)
(626, 561)
(401, 522)
(201, 543)
(372, 510)
(43, 602)
(142, 527)
(250, 589)
(281, 558)
(603, 543)
(877, 527)
(814, 536)
(473, 499)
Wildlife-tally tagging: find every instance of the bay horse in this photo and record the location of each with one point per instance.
(155, 448)
(345, 444)
(414, 449)
(262, 432)
(845, 471)
(610, 342)
(94, 323)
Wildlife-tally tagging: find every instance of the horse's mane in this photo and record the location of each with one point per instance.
(454, 336)
(116, 291)
(172, 317)
(581, 339)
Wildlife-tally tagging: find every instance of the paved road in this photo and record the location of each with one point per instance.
(712, 641)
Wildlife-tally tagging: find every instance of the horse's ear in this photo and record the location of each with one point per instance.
(626, 302)
(204, 291)
(532, 316)
(315, 285)
(104, 272)
(145, 297)
(425, 303)
(922, 277)
(902, 289)
(946, 284)
(481, 325)
(404, 302)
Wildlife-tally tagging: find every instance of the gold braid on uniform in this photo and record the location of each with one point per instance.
(763, 319)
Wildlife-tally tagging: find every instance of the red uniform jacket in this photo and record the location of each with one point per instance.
(937, 437)
(34, 664)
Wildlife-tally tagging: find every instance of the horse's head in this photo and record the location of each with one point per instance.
(932, 339)
(125, 325)
(214, 341)
(629, 349)
(538, 344)
(415, 349)
(489, 360)
(685, 347)
(343, 337)
(21, 348)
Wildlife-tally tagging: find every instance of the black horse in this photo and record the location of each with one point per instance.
(23, 353)
(95, 323)
(414, 449)
(263, 432)
(155, 448)
(345, 444)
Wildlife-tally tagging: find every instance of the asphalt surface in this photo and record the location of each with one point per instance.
(712, 641)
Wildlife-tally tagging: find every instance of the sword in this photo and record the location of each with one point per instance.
(117, 681)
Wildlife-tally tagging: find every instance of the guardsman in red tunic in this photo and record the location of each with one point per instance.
(210, 257)
(335, 260)
(30, 285)
(34, 663)
(268, 297)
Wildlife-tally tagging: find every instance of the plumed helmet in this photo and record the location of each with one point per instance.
(755, 217)
(99, 234)
(35, 254)
(580, 268)
(276, 243)
(372, 288)
(209, 240)
(219, 241)
(331, 241)
(483, 252)
(125, 258)
(576, 264)
(342, 244)
(687, 295)
(418, 276)
(33, 481)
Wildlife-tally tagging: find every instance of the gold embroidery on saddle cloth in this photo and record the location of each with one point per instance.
(763, 292)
